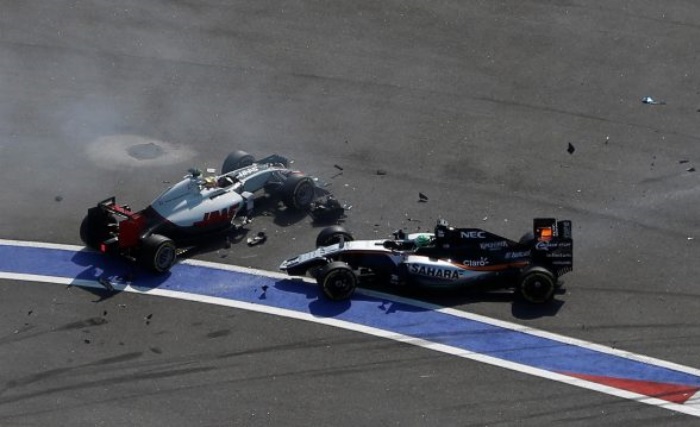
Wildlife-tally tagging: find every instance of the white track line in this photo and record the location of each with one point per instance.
(691, 407)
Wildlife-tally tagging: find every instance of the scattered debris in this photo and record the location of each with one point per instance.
(106, 283)
(327, 208)
(87, 341)
(381, 172)
(261, 237)
(651, 101)
(571, 148)
(166, 182)
(422, 197)
(340, 168)
(690, 170)
(30, 312)
(58, 198)
(104, 313)
(607, 139)
(683, 161)
(149, 317)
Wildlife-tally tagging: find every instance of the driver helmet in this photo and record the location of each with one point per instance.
(210, 182)
(422, 240)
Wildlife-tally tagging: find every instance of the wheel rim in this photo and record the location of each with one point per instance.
(304, 194)
(340, 283)
(537, 289)
(164, 257)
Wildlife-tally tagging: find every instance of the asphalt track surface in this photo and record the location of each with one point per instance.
(473, 104)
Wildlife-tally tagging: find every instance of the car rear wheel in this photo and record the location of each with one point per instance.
(337, 281)
(237, 160)
(332, 235)
(537, 285)
(158, 253)
(298, 191)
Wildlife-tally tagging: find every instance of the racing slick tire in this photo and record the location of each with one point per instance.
(158, 253)
(298, 192)
(337, 281)
(332, 235)
(236, 160)
(94, 228)
(537, 285)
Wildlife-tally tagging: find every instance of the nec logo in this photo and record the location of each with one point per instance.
(472, 234)
(217, 217)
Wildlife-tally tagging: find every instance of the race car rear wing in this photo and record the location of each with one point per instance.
(554, 245)
(110, 205)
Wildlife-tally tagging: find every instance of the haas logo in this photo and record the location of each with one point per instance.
(217, 217)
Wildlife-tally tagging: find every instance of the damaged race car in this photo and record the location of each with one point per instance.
(193, 209)
(447, 258)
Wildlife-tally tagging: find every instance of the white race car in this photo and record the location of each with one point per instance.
(194, 208)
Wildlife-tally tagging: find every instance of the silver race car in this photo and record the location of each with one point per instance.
(447, 258)
(194, 208)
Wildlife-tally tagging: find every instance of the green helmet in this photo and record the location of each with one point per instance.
(422, 240)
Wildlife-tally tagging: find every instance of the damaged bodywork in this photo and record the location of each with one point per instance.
(194, 208)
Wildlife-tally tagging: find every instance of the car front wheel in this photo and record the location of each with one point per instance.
(337, 281)
(298, 192)
(332, 235)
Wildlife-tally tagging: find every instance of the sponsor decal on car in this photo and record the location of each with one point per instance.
(546, 246)
(522, 254)
(474, 234)
(217, 217)
(492, 246)
(247, 172)
(438, 272)
(481, 262)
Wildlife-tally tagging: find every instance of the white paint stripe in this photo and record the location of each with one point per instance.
(450, 311)
(693, 409)
(692, 406)
(694, 401)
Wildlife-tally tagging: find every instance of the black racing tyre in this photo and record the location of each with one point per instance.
(94, 228)
(236, 160)
(298, 192)
(332, 235)
(337, 281)
(537, 285)
(158, 253)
